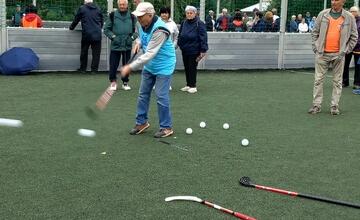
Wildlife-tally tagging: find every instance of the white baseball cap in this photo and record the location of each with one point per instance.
(144, 8)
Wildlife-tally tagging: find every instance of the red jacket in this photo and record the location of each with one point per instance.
(32, 20)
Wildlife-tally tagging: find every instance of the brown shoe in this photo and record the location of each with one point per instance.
(334, 110)
(314, 109)
(138, 129)
(164, 132)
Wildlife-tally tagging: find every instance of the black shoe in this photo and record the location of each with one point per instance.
(138, 129)
(81, 70)
(344, 85)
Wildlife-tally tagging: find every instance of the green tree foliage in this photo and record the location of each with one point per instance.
(65, 9)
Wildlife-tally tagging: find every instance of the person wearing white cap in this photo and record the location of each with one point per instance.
(159, 62)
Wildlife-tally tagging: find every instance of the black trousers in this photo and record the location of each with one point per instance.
(96, 50)
(190, 65)
(114, 64)
(346, 69)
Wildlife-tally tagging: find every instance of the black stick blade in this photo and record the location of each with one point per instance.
(246, 181)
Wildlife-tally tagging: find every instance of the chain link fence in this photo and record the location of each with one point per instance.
(64, 10)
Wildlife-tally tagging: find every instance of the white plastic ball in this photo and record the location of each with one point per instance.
(226, 126)
(244, 142)
(189, 131)
(202, 124)
(86, 132)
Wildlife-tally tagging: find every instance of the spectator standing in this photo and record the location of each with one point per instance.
(120, 29)
(31, 19)
(299, 19)
(159, 60)
(17, 16)
(275, 16)
(356, 52)
(245, 18)
(91, 23)
(312, 24)
(331, 40)
(222, 23)
(259, 23)
(308, 18)
(193, 44)
(210, 21)
(303, 27)
(293, 27)
(237, 23)
(165, 13)
(269, 21)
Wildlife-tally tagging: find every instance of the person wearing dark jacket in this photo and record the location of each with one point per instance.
(193, 44)
(356, 52)
(91, 22)
(210, 21)
(259, 23)
(120, 29)
(17, 16)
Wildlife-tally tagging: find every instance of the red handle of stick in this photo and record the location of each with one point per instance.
(242, 216)
(228, 211)
(281, 191)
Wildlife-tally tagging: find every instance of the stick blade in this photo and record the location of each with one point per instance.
(245, 181)
(91, 113)
(185, 198)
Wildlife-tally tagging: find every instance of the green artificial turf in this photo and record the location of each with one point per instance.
(48, 171)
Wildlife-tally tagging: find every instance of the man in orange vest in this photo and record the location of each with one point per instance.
(334, 35)
(31, 19)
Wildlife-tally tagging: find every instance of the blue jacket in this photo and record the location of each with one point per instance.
(164, 61)
(193, 37)
(259, 26)
(91, 22)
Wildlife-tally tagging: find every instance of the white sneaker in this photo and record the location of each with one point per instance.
(185, 89)
(113, 86)
(125, 87)
(192, 90)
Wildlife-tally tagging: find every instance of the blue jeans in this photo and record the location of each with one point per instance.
(162, 84)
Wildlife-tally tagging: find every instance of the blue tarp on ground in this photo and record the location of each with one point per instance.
(18, 61)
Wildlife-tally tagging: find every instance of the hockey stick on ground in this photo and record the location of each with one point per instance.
(104, 99)
(196, 199)
(246, 181)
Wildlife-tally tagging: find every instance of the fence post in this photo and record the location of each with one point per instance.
(172, 6)
(217, 8)
(34, 2)
(325, 4)
(110, 6)
(202, 10)
(3, 35)
(283, 18)
(356, 3)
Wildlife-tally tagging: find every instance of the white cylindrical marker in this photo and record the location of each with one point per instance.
(86, 132)
(11, 123)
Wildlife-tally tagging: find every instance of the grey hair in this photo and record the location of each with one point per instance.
(126, 1)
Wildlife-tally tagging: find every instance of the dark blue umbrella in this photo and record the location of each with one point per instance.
(18, 61)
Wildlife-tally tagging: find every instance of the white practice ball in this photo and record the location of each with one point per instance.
(86, 132)
(11, 123)
(244, 142)
(226, 126)
(189, 131)
(202, 124)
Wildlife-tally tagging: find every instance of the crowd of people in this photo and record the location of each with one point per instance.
(26, 19)
(158, 37)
